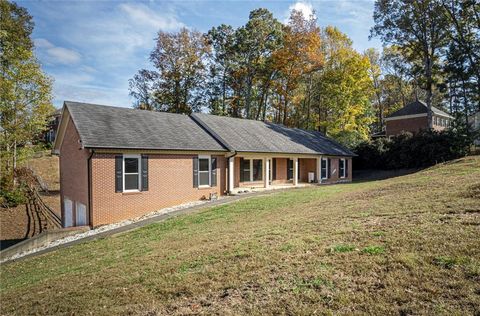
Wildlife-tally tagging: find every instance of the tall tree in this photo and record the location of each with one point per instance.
(25, 90)
(462, 64)
(221, 39)
(254, 45)
(299, 56)
(343, 90)
(419, 29)
(178, 80)
(375, 72)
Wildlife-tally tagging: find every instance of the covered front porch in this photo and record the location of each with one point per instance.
(254, 171)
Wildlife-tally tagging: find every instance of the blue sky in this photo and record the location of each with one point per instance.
(92, 48)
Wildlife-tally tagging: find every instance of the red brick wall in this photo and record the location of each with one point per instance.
(170, 182)
(73, 170)
(306, 165)
(413, 125)
(281, 167)
(335, 172)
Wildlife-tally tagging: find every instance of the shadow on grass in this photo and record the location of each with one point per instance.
(4, 244)
(360, 176)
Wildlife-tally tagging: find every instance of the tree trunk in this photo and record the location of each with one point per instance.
(429, 86)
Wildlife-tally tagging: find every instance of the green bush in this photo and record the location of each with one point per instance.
(413, 151)
(12, 198)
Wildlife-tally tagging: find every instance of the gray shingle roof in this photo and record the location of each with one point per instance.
(256, 136)
(103, 126)
(417, 107)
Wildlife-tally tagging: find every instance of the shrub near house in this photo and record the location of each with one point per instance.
(423, 149)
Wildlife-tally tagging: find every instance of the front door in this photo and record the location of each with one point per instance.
(290, 169)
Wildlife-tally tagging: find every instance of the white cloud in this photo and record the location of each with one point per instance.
(304, 7)
(56, 54)
(141, 14)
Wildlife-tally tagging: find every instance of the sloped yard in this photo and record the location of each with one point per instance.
(406, 245)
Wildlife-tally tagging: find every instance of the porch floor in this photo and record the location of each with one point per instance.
(281, 186)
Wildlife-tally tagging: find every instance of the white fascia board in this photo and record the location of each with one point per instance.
(403, 117)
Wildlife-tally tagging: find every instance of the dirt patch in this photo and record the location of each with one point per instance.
(13, 225)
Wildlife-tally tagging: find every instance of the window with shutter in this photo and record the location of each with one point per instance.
(324, 168)
(213, 174)
(131, 173)
(144, 165)
(195, 172)
(341, 167)
(118, 173)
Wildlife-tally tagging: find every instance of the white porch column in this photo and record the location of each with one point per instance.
(295, 171)
(266, 174)
(231, 172)
(319, 169)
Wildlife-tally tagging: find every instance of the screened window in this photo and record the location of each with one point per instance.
(324, 168)
(342, 168)
(131, 173)
(257, 170)
(203, 171)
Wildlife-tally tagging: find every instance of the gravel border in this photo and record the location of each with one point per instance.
(108, 228)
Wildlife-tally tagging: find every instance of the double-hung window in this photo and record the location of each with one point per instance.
(257, 170)
(244, 170)
(131, 173)
(251, 170)
(342, 168)
(204, 166)
(324, 168)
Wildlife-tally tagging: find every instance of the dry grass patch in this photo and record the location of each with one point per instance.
(408, 251)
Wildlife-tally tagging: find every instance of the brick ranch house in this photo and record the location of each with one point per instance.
(118, 163)
(413, 118)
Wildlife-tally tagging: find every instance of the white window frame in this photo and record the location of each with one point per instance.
(342, 160)
(250, 171)
(326, 169)
(138, 157)
(209, 171)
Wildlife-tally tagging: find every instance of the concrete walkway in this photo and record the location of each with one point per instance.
(150, 220)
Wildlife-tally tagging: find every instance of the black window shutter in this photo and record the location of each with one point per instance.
(346, 167)
(329, 168)
(118, 173)
(274, 169)
(242, 178)
(144, 173)
(195, 172)
(213, 175)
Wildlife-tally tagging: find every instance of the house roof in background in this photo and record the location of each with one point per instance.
(417, 107)
(257, 136)
(103, 126)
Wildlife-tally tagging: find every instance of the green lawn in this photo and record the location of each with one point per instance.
(406, 245)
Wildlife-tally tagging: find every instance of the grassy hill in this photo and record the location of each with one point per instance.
(406, 245)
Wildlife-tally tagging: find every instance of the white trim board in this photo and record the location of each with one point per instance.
(403, 117)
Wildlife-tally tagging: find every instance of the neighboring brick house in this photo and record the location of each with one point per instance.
(413, 118)
(118, 163)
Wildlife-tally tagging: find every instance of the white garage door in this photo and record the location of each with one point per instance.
(81, 212)
(67, 206)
